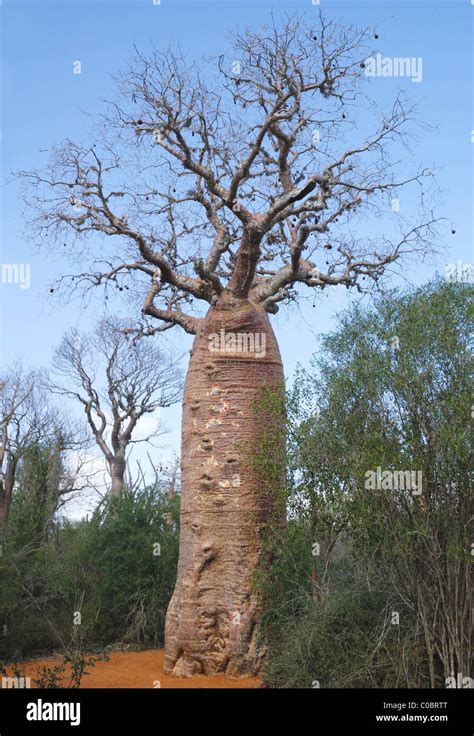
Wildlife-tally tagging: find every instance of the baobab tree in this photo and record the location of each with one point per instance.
(118, 380)
(233, 185)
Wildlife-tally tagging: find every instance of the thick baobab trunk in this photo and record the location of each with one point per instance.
(213, 616)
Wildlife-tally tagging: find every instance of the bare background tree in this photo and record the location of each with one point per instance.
(16, 388)
(133, 380)
(29, 421)
(231, 185)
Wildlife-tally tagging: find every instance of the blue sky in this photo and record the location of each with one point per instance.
(44, 102)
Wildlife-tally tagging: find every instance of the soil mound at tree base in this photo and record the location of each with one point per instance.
(137, 669)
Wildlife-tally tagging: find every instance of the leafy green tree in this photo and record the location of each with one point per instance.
(380, 460)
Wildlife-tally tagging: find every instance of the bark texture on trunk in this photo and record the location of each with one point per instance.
(6, 491)
(117, 470)
(4, 509)
(212, 620)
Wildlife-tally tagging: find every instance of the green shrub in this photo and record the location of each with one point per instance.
(106, 568)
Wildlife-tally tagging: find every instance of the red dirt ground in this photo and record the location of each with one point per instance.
(139, 669)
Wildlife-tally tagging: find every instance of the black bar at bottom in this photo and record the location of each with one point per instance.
(323, 711)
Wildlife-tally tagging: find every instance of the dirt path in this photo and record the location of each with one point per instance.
(139, 669)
